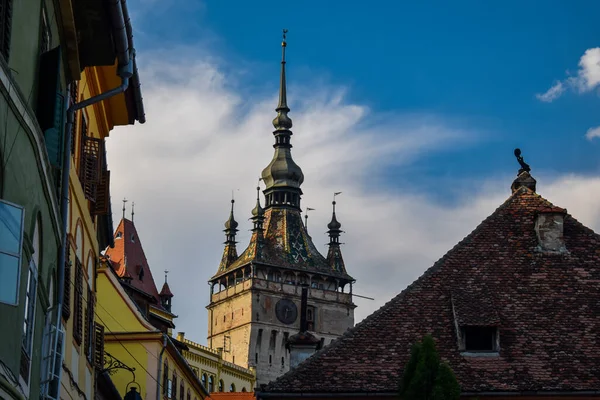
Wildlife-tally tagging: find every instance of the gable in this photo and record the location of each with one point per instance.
(545, 307)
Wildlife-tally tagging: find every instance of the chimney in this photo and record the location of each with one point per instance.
(303, 344)
(549, 229)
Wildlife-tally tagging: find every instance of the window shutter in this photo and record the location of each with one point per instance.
(66, 307)
(74, 96)
(98, 346)
(90, 165)
(89, 326)
(103, 190)
(77, 318)
(5, 27)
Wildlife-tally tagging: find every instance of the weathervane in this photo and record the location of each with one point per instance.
(166, 273)
(132, 210)
(306, 217)
(524, 166)
(124, 201)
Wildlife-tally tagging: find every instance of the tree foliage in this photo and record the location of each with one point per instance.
(425, 377)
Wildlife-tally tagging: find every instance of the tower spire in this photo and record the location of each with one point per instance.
(230, 252)
(258, 213)
(282, 176)
(132, 210)
(334, 255)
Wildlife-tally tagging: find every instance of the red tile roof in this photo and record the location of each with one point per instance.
(166, 290)
(546, 307)
(128, 259)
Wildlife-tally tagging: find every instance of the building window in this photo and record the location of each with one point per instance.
(203, 380)
(273, 340)
(78, 308)
(119, 235)
(46, 39)
(30, 300)
(283, 361)
(232, 388)
(89, 327)
(5, 27)
(181, 391)
(73, 97)
(270, 359)
(256, 358)
(189, 395)
(174, 392)
(11, 242)
(211, 384)
(310, 318)
(165, 377)
(480, 338)
(221, 385)
(244, 389)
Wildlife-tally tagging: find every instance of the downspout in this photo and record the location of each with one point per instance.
(125, 57)
(160, 366)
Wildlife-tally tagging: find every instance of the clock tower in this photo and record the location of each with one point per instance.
(255, 297)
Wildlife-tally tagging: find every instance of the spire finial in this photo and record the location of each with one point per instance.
(132, 210)
(282, 122)
(124, 201)
(166, 272)
(334, 226)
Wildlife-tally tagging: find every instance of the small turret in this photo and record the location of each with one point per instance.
(166, 295)
(230, 251)
(334, 255)
(258, 213)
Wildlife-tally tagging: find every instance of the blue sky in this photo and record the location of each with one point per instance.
(478, 63)
(411, 109)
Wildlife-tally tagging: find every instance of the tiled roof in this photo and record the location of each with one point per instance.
(166, 290)
(232, 395)
(546, 305)
(286, 244)
(128, 259)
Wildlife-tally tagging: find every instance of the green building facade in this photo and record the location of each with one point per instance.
(31, 144)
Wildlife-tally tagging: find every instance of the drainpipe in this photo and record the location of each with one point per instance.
(125, 57)
(160, 366)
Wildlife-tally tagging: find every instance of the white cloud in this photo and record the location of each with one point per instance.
(204, 138)
(593, 133)
(551, 94)
(587, 78)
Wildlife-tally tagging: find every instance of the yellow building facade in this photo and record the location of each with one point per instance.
(149, 359)
(89, 219)
(215, 373)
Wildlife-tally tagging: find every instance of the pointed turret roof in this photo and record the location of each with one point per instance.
(166, 290)
(129, 260)
(334, 254)
(230, 251)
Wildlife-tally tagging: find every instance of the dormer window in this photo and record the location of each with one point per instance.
(476, 320)
(132, 238)
(119, 235)
(480, 338)
(141, 273)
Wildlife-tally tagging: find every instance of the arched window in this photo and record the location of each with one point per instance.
(244, 389)
(174, 392)
(203, 380)
(165, 377)
(90, 267)
(181, 391)
(232, 388)
(211, 384)
(189, 396)
(221, 385)
(79, 241)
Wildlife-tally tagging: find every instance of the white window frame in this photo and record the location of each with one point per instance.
(18, 255)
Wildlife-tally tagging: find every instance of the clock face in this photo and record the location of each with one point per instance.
(286, 311)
